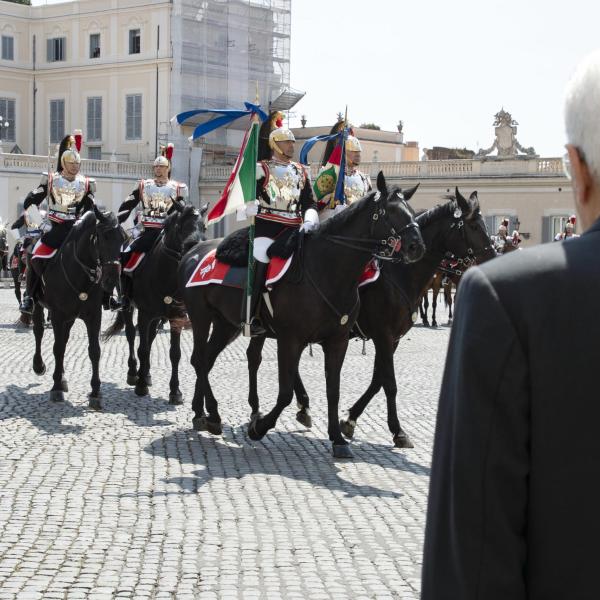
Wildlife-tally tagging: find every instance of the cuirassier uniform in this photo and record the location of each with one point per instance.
(284, 195)
(67, 200)
(148, 206)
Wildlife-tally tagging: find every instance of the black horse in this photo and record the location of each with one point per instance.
(454, 230)
(86, 264)
(3, 251)
(321, 305)
(155, 293)
(18, 263)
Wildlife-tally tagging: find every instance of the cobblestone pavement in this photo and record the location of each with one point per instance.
(131, 503)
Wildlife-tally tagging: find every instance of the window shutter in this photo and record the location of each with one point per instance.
(546, 229)
(49, 52)
(489, 223)
(512, 224)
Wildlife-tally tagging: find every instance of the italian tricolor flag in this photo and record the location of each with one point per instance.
(241, 186)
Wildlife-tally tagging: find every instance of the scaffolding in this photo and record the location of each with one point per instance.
(225, 51)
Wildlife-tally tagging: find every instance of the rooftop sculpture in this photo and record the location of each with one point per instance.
(506, 142)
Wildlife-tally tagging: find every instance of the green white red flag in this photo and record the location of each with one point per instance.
(241, 186)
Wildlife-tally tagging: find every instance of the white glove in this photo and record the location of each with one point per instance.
(251, 208)
(311, 220)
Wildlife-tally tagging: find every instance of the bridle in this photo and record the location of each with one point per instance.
(381, 248)
(470, 258)
(94, 274)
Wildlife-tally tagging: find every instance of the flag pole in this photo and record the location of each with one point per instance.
(251, 261)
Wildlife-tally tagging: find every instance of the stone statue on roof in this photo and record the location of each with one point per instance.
(506, 142)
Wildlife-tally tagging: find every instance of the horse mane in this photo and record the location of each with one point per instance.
(87, 221)
(438, 212)
(338, 222)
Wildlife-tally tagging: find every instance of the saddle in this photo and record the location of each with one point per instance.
(233, 250)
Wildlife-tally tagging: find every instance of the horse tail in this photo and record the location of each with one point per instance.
(117, 325)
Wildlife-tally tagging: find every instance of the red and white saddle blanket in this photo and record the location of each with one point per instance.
(134, 261)
(210, 270)
(41, 250)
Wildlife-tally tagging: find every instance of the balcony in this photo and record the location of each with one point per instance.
(26, 163)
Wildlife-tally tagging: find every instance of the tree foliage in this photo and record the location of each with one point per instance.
(370, 126)
(27, 2)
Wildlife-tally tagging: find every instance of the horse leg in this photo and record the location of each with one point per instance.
(147, 332)
(254, 357)
(15, 276)
(175, 396)
(61, 328)
(39, 368)
(303, 402)
(349, 425)
(433, 307)
(222, 333)
(335, 351)
(288, 357)
(425, 309)
(203, 358)
(448, 292)
(93, 330)
(130, 335)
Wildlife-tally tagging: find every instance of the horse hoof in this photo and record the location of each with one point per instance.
(39, 369)
(64, 386)
(149, 380)
(347, 428)
(176, 399)
(342, 451)
(214, 427)
(199, 423)
(402, 441)
(132, 379)
(304, 419)
(434, 323)
(253, 432)
(141, 390)
(94, 402)
(56, 396)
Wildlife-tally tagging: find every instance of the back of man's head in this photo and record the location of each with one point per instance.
(582, 103)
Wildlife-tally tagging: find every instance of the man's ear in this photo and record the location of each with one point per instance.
(581, 176)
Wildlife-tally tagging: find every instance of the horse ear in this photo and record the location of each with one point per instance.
(410, 192)
(474, 202)
(99, 215)
(381, 184)
(462, 202)
(203, 210)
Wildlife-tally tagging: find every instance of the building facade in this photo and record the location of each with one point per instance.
(120, 69)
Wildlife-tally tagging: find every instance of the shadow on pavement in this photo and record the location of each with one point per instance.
(285, 454)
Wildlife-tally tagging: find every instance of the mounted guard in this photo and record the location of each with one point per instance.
(356, 183)
(284, 204)
(569, 230)
(69, 194)
(143, 215)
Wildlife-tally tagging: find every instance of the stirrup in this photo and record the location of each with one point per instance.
(254, 328)
(26, 306)
(118, 305)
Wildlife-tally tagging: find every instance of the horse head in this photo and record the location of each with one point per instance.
(394, 219)
(110, 237)
(460, 231)
(181, 225)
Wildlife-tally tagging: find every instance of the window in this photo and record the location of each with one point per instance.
(134, 41)
(134, 117)
(56, 49)
(95, 45)
(57, 121)
(7, 112)
(558, 225)
(8, 47)
(94, 119)
(94, 152)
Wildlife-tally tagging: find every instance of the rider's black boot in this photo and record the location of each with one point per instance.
(26, 305)
(260, 276)
(122, 302)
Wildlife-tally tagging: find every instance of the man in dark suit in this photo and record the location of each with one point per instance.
(514, 501)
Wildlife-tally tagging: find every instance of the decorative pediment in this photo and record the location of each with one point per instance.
(506, 143)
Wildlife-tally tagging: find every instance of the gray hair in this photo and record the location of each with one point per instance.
(582, 109)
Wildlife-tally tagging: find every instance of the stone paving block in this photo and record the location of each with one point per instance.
(131, 502)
